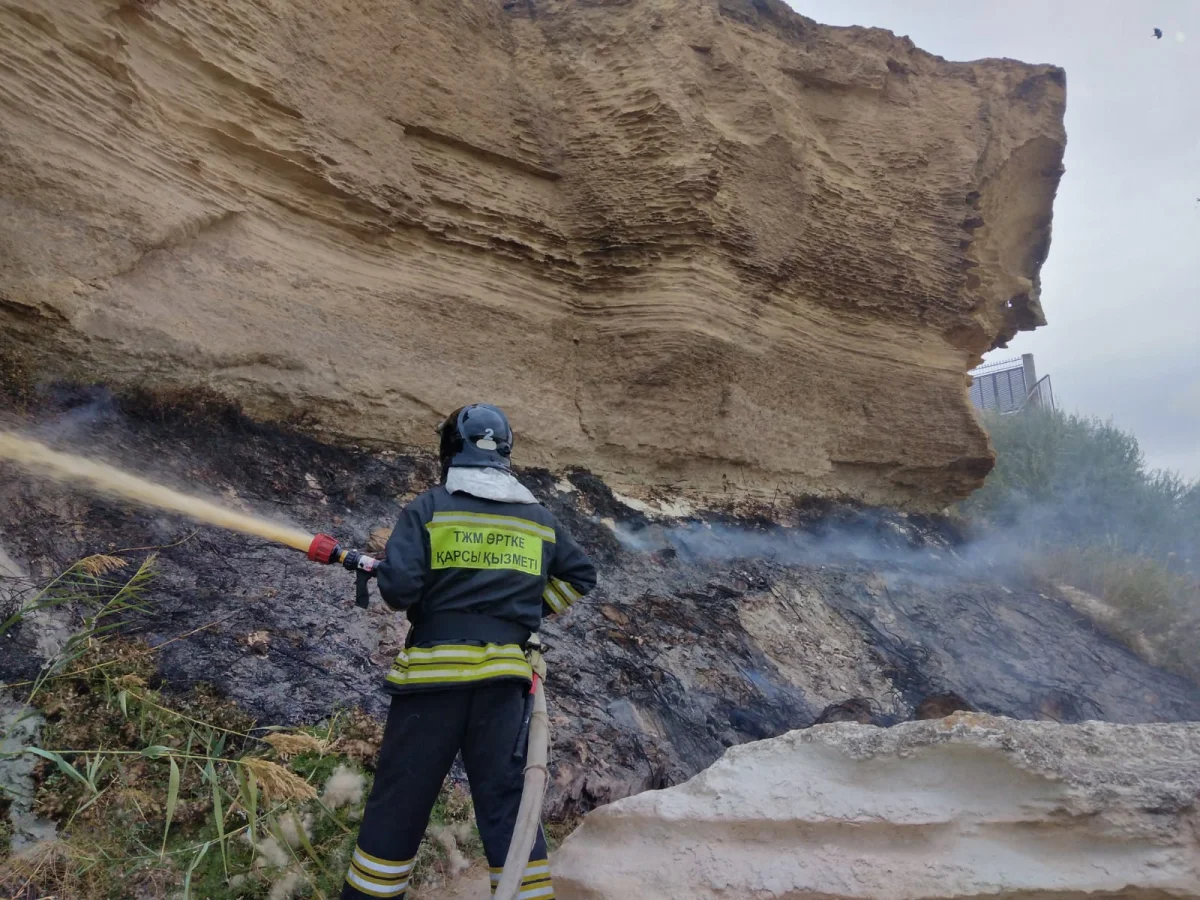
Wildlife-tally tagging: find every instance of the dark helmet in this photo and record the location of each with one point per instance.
(477, 435)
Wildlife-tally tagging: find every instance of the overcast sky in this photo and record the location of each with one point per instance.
(1121, 287)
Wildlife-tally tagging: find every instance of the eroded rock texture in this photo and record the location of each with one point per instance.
(962, 807)
(699, 242)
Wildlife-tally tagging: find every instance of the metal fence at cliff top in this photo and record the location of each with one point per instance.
(1010, 385)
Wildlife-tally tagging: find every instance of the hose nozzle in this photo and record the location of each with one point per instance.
(324, 549)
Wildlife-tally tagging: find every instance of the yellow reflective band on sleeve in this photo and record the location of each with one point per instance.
(559, 595)
(569, 593)
(458, 664)
(512, 523)
(483, 547)
(553, 599)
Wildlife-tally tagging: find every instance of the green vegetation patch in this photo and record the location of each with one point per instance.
(1075, 494)
(159, 795)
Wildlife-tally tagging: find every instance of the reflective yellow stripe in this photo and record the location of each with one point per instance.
(535, 870)
(469, 518)
(565, 588)
(560, 595)
(536, 883)
(456, 664)
(355, 880)
(553, 599)
(375, 865)
(462, 546)
(463, 653)
(459, 675)
(378, 877)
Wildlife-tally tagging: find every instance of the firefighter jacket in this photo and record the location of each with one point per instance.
(475, 577)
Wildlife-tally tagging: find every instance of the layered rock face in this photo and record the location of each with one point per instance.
(967, 806)
(697, 242)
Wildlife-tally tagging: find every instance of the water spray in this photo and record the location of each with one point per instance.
(110, 481)
(322, 548)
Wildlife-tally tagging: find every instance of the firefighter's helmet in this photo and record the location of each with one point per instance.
(476, 436)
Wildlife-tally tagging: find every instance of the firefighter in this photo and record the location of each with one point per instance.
(475, 563)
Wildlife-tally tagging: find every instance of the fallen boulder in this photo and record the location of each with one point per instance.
(964, 806)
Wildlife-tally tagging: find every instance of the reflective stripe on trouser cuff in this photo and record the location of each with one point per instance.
(536, 883)
(378, 877)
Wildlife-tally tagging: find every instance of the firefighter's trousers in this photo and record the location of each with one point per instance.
(424, 733)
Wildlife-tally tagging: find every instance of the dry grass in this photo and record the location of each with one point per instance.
(290, 745)
(48, 863)
(1151, 609)
(278, 784)
(100, 564)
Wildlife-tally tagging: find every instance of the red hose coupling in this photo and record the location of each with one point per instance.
(323, 549)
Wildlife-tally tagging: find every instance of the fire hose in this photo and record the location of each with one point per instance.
(535, 722)
(529, 814)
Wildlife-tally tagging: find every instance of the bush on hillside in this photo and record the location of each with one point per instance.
(1066, 481)
(1076, 493)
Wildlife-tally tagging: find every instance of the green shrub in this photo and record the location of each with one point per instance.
(1076, 495)
(1064, 480)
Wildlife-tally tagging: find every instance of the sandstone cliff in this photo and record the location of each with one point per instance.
(706, 242)
(964, 807)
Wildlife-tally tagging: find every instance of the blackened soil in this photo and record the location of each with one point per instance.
(652, 677)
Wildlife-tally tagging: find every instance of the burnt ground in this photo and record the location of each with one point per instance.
(725, 629)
